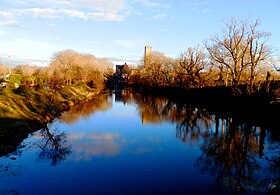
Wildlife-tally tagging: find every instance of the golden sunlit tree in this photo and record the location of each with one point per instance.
(157, 70)
(71, 67)
(238, 52)
(64, 64)
(190, 66)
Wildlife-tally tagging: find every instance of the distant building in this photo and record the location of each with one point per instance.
(122, 73)
(147, 53)
(121, 69)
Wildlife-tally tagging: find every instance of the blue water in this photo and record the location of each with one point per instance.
(118, 150)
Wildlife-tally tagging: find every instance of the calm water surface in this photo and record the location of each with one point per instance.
(127, 143)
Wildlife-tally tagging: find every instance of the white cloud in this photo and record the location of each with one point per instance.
(38, 12)
(148, 3)
(106, 16)
(1, 33)
(97, 5)
(11, 23)
(51, 13)
(6, 14)
(101, 10)
(40, 2)
(108, 10)
(55, 13)
(113, 6)
(73, 13)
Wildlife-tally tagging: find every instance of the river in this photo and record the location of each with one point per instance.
(123, 142)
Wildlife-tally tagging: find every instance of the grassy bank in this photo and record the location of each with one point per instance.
(26, 103)
(25, 109)
(28, 108)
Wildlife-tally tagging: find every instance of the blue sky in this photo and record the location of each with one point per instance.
(32, 30)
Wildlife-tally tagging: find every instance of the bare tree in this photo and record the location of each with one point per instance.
(191, 63)
(240, 49)
(64, 63)
(259, 51)
(74, 67)
(157, 69)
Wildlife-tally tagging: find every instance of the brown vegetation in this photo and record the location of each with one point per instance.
(39, 94)
(238, 57)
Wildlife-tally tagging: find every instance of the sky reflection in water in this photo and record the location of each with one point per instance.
(127, 143)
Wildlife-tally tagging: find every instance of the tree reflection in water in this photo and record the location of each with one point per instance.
(54, 147)
(234, 151)
(240, 155)
(190, 121)
(231, 155)
(99, 102)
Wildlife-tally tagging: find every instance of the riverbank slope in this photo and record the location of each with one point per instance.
(25, 110)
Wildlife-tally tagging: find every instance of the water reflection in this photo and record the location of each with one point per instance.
(235, 152)
(239, 155)
(190, 121)
(273, 157)
(101, 102)
(231, 156)
(7, 170)
(88, 145)
(54, 146)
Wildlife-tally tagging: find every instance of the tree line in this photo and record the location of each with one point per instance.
(239, 56)
(66, 67)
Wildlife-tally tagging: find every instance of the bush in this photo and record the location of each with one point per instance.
(16, 78)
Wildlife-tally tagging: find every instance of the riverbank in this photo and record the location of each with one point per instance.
(261, 108)
(25, 110)
(28, 103)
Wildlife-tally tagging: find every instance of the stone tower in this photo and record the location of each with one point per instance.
(147, 53)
